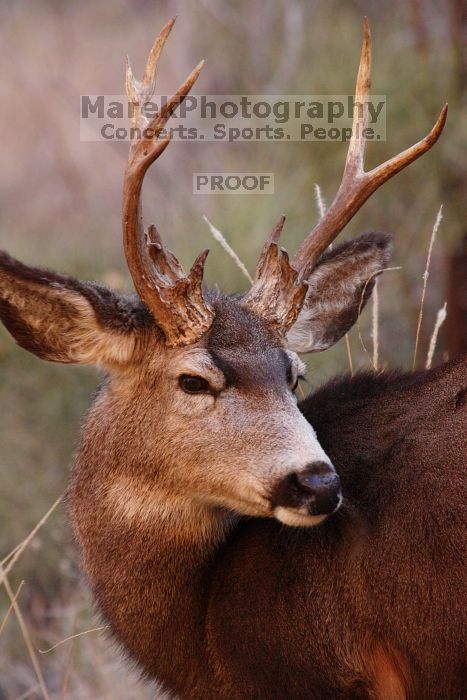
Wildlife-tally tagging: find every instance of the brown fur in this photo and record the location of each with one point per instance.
(390, 677)
(216, 608)
(368, 605)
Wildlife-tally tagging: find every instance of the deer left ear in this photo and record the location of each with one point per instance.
(339, 287)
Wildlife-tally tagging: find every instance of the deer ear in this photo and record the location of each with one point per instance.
(61, 319)
(339, 287)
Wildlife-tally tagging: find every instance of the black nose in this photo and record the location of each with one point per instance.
(317, 487)
(323, 486)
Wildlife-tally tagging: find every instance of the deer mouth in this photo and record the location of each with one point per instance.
(307, 497)
(301, 517)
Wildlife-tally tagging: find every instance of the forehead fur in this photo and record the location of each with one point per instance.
(244, 347)
(236, 326)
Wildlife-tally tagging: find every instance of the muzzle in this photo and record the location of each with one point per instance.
(315, 490)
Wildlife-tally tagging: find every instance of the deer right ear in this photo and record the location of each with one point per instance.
(338, 289)
(61, 319)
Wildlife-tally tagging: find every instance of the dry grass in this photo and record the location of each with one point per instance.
(374, 358)
(220, 238)
(375, 325)
(426, 274)
(95, 676)
(440, 319)
(10, 560)
(26, 636)
(320, 203)
(11, 608)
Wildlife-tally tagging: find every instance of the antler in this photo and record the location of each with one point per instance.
(277, 293)
(279, 289)
(357, 185)
(175, 300)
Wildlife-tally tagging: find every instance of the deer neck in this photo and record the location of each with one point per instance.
(150, 566)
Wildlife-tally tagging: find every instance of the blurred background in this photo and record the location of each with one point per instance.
(60, 207)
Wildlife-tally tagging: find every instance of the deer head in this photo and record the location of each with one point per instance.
(199, 405)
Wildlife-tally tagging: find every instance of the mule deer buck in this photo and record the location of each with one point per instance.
(196, 426)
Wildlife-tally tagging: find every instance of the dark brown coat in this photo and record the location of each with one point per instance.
(371, 604)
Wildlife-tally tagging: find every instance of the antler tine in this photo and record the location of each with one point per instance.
(277, 294)
(357, 185)
(146, 148)
(139, 92)
(272, 239)
(175, 300)
(150, 71)
(356, 151)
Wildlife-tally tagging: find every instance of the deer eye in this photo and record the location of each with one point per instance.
(300, 378)
(191, 384)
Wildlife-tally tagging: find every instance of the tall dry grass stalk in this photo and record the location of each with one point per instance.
(10, 609)
(375, 325)
(12, 553)
(15, 554)
(349, 353)
(10, 560)
(440, 319)
(72, 637)
(28, 693)
(220, 238)
(320, 203)
(436, 226)
(69, 662)
(374, 358)
(26, 636)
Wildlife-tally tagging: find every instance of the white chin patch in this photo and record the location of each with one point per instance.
(294, 518)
